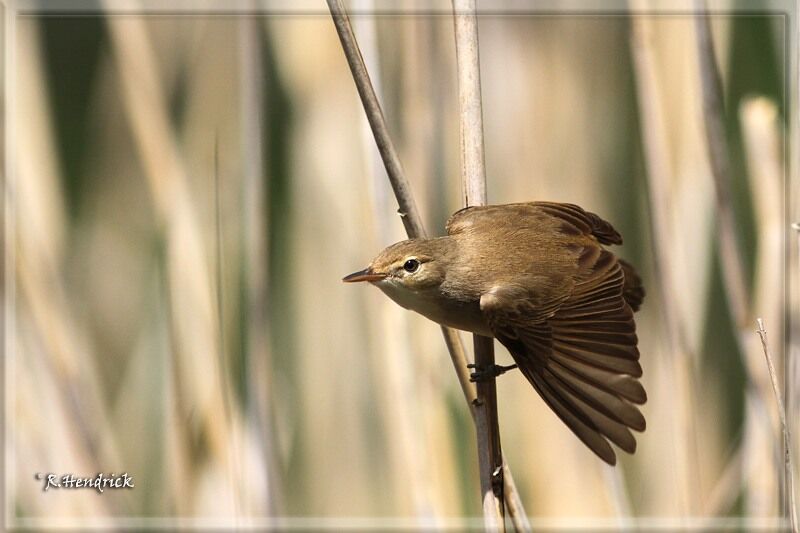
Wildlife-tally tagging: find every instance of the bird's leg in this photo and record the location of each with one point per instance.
(483, 374)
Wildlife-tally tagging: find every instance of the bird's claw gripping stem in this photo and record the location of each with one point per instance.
(486, 373)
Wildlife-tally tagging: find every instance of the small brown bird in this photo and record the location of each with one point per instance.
(536, 277)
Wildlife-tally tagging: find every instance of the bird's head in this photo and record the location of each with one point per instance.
(414, 265)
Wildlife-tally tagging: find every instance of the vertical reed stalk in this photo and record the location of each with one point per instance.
(730, 252)
(188, 272)
(719, 159)
(655, 146)
(254, 220)
(473, 176)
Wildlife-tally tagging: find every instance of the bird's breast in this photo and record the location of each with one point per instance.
(463, 315)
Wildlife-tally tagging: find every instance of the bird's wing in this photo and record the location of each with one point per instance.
(586, 222)
(580, 355)
(574, 220)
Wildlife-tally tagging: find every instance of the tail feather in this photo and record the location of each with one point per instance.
(633, 290)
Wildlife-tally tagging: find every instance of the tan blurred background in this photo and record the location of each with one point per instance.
(186, 192)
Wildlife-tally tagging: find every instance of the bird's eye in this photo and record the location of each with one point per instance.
(412, 265)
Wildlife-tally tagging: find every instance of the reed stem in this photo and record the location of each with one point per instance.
(473, 176)
(415, 229)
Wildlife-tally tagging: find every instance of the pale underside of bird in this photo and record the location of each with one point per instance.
(536, 276)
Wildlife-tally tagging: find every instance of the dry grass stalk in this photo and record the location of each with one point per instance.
(456, 349)
(222, 368)
(762, 140)
(408, 211)
(655, 143)
(728, 486)
(191, 298)
(397, 370)
(513, 502)
(659, 174)
(254, 220)
(719, 159)
(473, 177)
(473, 167)
(730, 251)
(791, 375)
(46, 342)
(787, 448)
(402, 190)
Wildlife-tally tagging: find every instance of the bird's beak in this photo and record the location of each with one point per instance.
(364, 275)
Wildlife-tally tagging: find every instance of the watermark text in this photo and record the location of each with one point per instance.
(100, 482)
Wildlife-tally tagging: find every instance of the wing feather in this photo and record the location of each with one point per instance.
(583, 428)
(585, 221)
(596, 412)
(581, 354)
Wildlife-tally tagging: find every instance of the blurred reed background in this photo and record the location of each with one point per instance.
(188, 191)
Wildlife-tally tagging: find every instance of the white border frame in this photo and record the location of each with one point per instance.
(14, 8)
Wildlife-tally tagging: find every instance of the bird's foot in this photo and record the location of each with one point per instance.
(486, 373)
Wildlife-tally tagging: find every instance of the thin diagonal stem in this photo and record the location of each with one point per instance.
(402, 190)
(409, 213)
(787, 446)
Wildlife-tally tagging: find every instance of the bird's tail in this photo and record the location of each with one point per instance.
(633, 290)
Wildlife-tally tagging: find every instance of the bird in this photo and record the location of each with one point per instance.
(537, 277)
